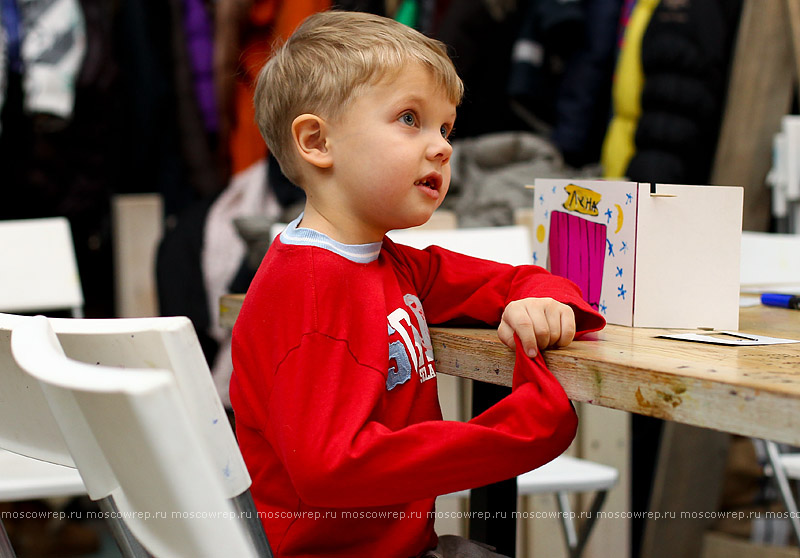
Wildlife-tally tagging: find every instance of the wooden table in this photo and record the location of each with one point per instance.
(752, 391)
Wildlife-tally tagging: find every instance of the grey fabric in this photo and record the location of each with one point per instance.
(490, 172)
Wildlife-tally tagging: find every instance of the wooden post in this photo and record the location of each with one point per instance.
(689, 475)
(760, 90)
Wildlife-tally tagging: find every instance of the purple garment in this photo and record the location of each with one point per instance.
(200, 47)
(11, 23)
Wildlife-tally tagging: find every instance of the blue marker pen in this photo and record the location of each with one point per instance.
(782, 300)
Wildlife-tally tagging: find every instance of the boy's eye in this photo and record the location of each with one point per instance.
(408, 118)
(446, 133)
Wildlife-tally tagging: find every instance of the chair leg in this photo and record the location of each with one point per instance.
(586, 529)
(577, 541)
(570, 536)
(128, 545)
(246, 509)
(6, 550)
(785, 489)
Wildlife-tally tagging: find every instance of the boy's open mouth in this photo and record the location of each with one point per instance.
(431, 181)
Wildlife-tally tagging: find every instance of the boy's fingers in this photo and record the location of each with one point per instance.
(567, 327)
(538, 326)
(526, 331)
(506, 334)
(553, 327)
(543, 329)
(516, 320)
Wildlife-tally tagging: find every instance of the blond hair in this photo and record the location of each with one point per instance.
(324, 64)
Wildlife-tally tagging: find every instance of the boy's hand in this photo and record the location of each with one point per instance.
(538, 322)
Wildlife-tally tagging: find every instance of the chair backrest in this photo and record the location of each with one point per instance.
(769, 261)
(165, 343)
(39, 270)
(27, 426)
(169, 494)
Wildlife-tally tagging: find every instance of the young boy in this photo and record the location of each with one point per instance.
(334, 384)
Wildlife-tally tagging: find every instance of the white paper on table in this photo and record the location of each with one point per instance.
(728, 338)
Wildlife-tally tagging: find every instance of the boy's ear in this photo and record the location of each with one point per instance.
(309, 134)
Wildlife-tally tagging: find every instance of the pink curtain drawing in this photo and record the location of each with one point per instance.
(577, 251)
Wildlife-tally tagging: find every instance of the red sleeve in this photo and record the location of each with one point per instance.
(337, 456)
(463, 290)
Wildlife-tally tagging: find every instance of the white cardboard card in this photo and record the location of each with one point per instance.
(688, 248)
(668, 258)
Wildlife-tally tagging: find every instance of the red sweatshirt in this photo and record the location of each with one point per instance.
(334, 391)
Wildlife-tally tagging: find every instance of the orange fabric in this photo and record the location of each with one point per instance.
(269, 20)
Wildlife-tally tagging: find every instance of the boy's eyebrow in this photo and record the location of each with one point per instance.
(413, 98)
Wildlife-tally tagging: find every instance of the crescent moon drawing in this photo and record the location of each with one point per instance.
(620, 218)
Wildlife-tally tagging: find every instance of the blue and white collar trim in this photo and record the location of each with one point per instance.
(358, 253)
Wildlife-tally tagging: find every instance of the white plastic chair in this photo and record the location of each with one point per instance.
(769, 263)
(563, 476)
(23, 478)
(170, 343)
(39, 272)
(142, 437)
(784, 467)
(34, 460)
(39, 269)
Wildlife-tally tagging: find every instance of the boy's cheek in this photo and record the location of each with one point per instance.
(445, 187)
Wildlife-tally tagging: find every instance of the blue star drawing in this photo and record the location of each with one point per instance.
(603, 307)
(608, 214)
(546, 214)
(554, 189)
(628, 198)
(619, 272)
(621, 292)
(624, 247)
(535, 257)
(541, 199)
(610, 247)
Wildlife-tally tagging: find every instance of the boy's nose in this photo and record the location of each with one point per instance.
(440, 148)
